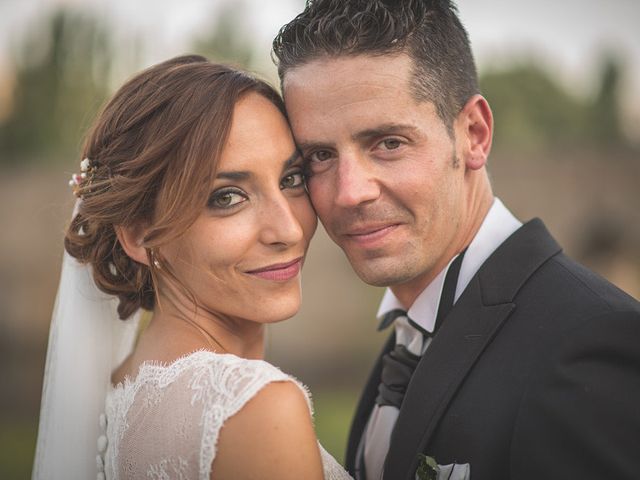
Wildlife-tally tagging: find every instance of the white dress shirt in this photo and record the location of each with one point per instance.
(496, 227)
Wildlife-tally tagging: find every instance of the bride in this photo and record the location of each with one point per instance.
(192, 206)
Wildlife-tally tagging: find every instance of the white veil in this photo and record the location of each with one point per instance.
(87, 341)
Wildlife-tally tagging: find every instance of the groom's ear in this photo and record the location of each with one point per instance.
(131, 239)
(474, 132)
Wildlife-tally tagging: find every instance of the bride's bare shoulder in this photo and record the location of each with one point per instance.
(272, 436)
(123, 371)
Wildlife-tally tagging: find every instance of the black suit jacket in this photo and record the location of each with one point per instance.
(535, 374)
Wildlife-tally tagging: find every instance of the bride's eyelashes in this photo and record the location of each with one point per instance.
(226, 198)
(293, 179)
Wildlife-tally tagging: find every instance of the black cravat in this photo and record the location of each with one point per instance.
(398, 364)
(397, 368)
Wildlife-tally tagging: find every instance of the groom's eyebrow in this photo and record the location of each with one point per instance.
(364, 135)
(305, 146)
(382, 130)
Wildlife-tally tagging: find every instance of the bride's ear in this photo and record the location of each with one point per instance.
(131, 239)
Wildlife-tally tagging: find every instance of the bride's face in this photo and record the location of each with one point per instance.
(242, 257)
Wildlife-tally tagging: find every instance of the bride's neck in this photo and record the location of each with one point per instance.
(182, 330)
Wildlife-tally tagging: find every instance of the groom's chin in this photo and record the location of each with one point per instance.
(380, 271)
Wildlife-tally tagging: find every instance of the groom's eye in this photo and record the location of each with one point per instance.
(391, 143)
(320, 156)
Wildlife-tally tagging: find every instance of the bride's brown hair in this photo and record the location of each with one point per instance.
(153, 150)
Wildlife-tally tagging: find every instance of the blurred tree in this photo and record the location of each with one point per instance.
(61, 75)
(229, 41)
(533, 111)
(605, 111)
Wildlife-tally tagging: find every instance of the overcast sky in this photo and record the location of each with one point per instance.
(570, 36)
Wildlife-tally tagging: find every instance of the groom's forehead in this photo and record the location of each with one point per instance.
(347, 75)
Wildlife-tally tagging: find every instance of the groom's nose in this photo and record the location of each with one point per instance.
(355, 180)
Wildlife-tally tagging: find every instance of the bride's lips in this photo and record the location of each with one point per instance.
(279, 272)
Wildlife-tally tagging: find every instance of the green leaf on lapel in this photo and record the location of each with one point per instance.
(427, 468)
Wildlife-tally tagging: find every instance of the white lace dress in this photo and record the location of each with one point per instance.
(165, 423)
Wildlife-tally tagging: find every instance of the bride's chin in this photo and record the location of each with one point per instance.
(280, 309)
(282, 316)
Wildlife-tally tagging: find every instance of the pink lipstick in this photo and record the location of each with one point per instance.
(279, 272)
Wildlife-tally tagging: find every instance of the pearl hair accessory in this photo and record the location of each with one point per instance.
(79, 181)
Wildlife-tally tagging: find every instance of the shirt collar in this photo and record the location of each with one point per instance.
(496, 227)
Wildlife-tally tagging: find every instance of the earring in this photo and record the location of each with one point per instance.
(155, 261)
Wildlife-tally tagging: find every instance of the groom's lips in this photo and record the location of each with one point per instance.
(370, 235)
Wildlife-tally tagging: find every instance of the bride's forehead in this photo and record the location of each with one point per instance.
(259, 138)
(255, 116)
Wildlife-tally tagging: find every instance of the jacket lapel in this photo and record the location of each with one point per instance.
(458, 344)
(469, 328)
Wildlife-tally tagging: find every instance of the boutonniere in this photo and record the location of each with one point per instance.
(427, 468)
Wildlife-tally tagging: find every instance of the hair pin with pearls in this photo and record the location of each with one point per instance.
(81, 180)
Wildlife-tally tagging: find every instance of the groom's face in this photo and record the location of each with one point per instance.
(384, 175)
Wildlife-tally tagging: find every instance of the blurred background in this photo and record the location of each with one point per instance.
(563, 79)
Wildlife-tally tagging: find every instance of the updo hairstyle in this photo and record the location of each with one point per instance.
(153, 151)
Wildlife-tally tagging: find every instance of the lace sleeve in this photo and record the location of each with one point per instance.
(332, 469)
(166, 423)
(223, 392)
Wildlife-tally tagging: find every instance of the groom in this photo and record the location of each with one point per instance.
(507, 360)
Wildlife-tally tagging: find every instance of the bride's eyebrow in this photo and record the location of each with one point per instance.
(244, 175)
(293, 158)
(237, 176)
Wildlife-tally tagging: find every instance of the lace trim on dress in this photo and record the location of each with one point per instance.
(219, 386)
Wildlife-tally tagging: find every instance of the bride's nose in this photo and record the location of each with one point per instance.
(279, 223)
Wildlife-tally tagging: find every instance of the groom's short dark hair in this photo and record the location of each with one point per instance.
(429, 31)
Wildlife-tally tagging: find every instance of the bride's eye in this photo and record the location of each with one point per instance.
(292, 180)
(226, 198)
